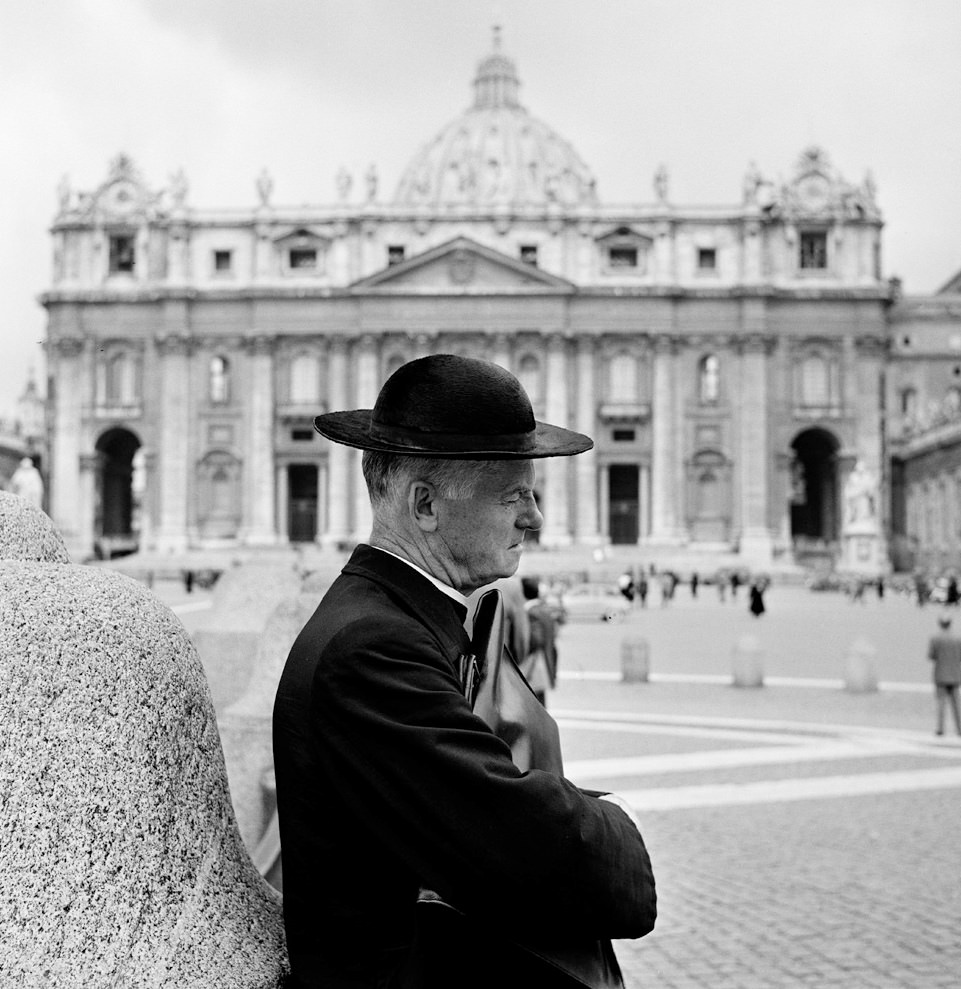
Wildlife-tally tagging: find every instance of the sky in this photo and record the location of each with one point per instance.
(225, 88)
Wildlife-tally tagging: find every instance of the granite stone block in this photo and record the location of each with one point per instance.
(27, 533)
(120, 859)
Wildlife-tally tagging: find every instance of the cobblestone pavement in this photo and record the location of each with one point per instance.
(801, 835)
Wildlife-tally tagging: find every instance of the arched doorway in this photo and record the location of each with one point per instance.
(114, 523)
(814, 494)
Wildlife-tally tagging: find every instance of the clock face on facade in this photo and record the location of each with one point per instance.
(121, 198)
(814, 192)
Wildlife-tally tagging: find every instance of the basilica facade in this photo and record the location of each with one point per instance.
(727, 360)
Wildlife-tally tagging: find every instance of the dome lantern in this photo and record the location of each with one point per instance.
(496, 82)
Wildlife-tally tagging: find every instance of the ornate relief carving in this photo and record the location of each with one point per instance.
(174, 344)
(67, 346)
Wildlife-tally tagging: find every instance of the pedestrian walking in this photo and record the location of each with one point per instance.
(881, 588)
(540, 664)
(953, 593)
(642, 588)
(944, 650)
(694, 582)
(756, 600)
(735, 584)
(625, 584)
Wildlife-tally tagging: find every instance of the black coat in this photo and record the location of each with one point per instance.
(387, 781)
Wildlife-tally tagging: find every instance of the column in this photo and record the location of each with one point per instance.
(754, 455)
(90, 467)
(666, 496)
(338, 460)
(586, 527)
(557, 530)
(283, 504)
(173, 471)
(367, 378)
(644, 496)
(321, 503)
(499, 348)
(64, 469)
(259, 509)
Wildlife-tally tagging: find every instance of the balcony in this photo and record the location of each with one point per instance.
(624, 411)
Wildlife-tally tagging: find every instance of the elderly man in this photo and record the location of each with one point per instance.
(387, 781)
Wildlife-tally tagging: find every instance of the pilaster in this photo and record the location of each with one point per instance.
(666, 497)
(338, 461)
(259, 512)
(175, 481)
(557, 530)
(366, 376)
(67, 365)
(756, 542)
(586, 528)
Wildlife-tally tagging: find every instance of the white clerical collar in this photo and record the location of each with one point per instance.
(440, 585)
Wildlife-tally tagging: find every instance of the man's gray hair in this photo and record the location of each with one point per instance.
(389, 475)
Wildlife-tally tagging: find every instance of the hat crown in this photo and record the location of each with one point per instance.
(444, 393)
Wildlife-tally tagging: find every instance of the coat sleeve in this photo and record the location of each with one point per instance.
(405, 751)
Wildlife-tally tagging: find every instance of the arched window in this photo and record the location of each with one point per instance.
(393, 362)
(114, 378)
(709, 379)
(815, 381)
(622, 375)
(304, 380)
(909, 401)
(529, 375)
(219, 379)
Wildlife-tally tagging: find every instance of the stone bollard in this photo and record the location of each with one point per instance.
(748, 662)
(228, 636)
(860, 672)
(120, 860)
(635, 660)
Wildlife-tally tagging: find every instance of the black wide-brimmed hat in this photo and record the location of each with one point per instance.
(456, 408)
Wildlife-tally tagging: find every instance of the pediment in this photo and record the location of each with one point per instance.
(462, 266)
(951, 287)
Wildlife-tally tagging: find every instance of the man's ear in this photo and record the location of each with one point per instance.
(422, 505)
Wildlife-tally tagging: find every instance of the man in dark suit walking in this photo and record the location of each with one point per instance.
(387, 781)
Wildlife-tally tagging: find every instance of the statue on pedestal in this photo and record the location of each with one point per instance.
(27, 483)
(860, 496)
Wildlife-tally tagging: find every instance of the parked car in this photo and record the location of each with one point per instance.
(595, 602)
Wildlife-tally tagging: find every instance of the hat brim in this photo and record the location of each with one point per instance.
(352, 428)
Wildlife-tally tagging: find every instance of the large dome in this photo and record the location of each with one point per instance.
(496, 153)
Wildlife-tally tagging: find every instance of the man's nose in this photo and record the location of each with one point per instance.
(531, 518)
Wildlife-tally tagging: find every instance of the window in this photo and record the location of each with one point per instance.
(219, 380)
(223, 261)
(622, 257)
(622, 374)
(302, 435)
(815, 382)
(302, 259)
(122, 254)
(909, 401)
(119, 379)
(395, 253)
(304, 380)
(706, 259)
(709, 379)
(623, 435)
(814, 250)
(529, 254)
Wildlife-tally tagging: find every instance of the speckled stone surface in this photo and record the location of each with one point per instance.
(245, 727)
(228, 636)
(120, 862)
(27, 533)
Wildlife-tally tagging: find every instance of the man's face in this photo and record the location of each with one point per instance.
(482, 535)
